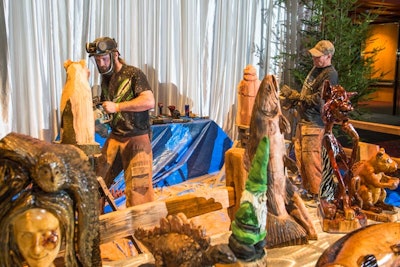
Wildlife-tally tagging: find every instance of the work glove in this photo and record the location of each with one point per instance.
(289, 93)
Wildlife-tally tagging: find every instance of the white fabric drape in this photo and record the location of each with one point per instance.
(192, 51)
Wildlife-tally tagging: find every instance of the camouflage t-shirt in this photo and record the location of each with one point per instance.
(310, 95)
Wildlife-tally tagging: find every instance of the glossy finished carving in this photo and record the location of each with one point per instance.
(56, 179)
(339, 206)
(374, 179)
(373, 245)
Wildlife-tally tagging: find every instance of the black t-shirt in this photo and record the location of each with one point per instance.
(123, 86)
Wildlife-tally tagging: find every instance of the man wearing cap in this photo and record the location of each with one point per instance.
(126, 94)
(309, 130)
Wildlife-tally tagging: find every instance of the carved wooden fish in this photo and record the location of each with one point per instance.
(267, 120)
(373, 245)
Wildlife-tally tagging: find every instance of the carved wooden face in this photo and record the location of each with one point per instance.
(38, 236)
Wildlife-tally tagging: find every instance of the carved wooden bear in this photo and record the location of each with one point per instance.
(374, 179)
(76, 109)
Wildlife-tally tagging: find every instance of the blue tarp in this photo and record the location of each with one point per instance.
(393, 197)
(182, 151)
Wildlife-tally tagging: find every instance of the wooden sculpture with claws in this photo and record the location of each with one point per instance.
(177, 242)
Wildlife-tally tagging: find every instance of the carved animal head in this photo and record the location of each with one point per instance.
(220, 253)
(267, 98)
(50, 173)
(337, 103)
(382, 162)
(77, 68)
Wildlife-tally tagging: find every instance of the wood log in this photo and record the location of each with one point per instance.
(122, 223)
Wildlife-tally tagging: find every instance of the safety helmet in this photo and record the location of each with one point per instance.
(101, 46)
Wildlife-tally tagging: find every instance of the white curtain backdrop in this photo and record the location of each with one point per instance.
(192, 51)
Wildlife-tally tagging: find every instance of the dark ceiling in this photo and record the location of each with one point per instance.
(387, 10)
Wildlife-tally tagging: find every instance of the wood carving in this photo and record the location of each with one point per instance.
(288, 221)
(339, 201)
(38, 236)
(49, 214)
(177, 242)
(367, 246)
(76, 107)
(247, 91)
(374, 178)
(249, 225)
(29, 165)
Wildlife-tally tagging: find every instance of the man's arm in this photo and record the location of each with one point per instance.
(144, 101)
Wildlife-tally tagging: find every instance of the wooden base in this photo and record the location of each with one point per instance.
(257, 263)
(385, 216)
(338, 225)
(90, 149)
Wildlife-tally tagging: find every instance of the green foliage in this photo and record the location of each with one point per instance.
(330, 20)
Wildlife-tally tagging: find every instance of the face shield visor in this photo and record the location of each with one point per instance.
(104, 63)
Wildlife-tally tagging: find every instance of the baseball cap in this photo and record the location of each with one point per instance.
(323, 47)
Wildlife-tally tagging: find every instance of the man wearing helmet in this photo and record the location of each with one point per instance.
(126, 94)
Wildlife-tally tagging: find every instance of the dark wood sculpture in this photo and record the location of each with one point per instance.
(339, 202)
(18, 238)
(288, 221)
(38, 169)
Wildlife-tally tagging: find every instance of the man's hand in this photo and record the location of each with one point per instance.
(286, 91)
(289, 93)
(110, 107)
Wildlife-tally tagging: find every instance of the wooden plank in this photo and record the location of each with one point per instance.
(366, 150)
(122, 223)
(200, 203)
(376, 127)
(384, 216)
(145, 258)
(107, 193)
